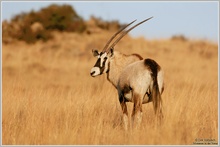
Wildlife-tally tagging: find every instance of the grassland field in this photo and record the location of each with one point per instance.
(49, 97)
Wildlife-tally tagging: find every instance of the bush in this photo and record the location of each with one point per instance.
(54, 17)
(179, 37)
(62, 18)
(106, 25)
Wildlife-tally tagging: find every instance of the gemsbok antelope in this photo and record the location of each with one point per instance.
(136, 79)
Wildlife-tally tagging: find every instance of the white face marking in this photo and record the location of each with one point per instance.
(102, 58)
(95, 71)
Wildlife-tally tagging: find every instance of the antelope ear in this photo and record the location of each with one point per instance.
(95, 53)
(111, 51)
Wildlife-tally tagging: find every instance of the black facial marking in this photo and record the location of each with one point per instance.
(97, 64)
(92, 73)
(103, 65)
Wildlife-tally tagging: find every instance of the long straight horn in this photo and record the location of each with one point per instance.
(107, 44)
(116, 41)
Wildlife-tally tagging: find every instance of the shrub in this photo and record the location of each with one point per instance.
(106, 25)
(179, 37)
(53, 17)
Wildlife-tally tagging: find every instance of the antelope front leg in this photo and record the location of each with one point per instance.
(125, 112)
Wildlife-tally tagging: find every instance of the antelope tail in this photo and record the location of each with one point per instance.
(157, 102)
(156, 97)
(155, 92)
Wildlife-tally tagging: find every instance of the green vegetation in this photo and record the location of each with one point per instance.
(34, 26)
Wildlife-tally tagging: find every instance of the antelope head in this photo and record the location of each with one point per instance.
(102, 64)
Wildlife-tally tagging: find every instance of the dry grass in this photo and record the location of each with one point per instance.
(49, 97)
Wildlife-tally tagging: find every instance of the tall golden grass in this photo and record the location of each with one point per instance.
(49, 98)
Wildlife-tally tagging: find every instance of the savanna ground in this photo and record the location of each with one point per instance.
(49, 97)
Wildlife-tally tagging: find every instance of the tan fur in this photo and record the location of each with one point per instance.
(117, 63)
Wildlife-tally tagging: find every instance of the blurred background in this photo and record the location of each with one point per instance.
(194, 20)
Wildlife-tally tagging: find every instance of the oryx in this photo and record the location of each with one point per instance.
(137, 80)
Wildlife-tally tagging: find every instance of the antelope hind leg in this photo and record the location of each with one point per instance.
(137, 112)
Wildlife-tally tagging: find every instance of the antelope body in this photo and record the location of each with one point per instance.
(137, 80)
